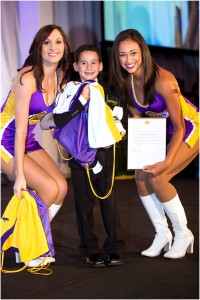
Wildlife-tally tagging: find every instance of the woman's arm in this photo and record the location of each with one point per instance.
(167, 88)
(169, 91)
(22, 102)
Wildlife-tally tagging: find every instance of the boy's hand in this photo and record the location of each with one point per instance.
(86, 92)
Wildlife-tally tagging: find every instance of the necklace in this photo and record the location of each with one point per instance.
(44, 93)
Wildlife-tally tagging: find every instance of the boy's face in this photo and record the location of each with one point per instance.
(88, 65)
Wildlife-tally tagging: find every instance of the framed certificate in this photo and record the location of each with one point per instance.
(146, 141)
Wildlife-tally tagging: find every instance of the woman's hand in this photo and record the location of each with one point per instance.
(20, 184)
(156, 169)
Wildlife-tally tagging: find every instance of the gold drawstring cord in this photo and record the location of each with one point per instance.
(60, 147)
(33, 270)
(88, 173)
(113, 177)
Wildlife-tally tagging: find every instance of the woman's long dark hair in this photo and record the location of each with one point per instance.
(35, 58)
(120, 79)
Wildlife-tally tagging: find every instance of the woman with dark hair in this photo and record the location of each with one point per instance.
(32, 94)
(151, 91)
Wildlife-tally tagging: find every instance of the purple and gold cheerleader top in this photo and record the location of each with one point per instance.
(159, 110)
(38, 108)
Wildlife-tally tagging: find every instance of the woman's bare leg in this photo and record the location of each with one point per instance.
(164, 190)
(42, 175)
(149, 188)
(52, 169)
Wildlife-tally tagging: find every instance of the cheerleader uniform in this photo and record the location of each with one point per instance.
(38, 108)
(159, 110)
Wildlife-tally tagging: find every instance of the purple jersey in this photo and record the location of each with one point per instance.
(159, 110)
(38, 108)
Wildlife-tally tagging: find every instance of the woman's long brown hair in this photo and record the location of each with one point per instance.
(35, 58)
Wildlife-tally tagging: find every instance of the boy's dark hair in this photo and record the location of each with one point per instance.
(86, 47)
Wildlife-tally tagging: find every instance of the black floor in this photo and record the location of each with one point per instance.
(139, 278)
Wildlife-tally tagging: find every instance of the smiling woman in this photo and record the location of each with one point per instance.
(53, 48)
(32, 94)
(152, 91)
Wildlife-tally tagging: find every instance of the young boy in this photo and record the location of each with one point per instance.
(88, 64)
